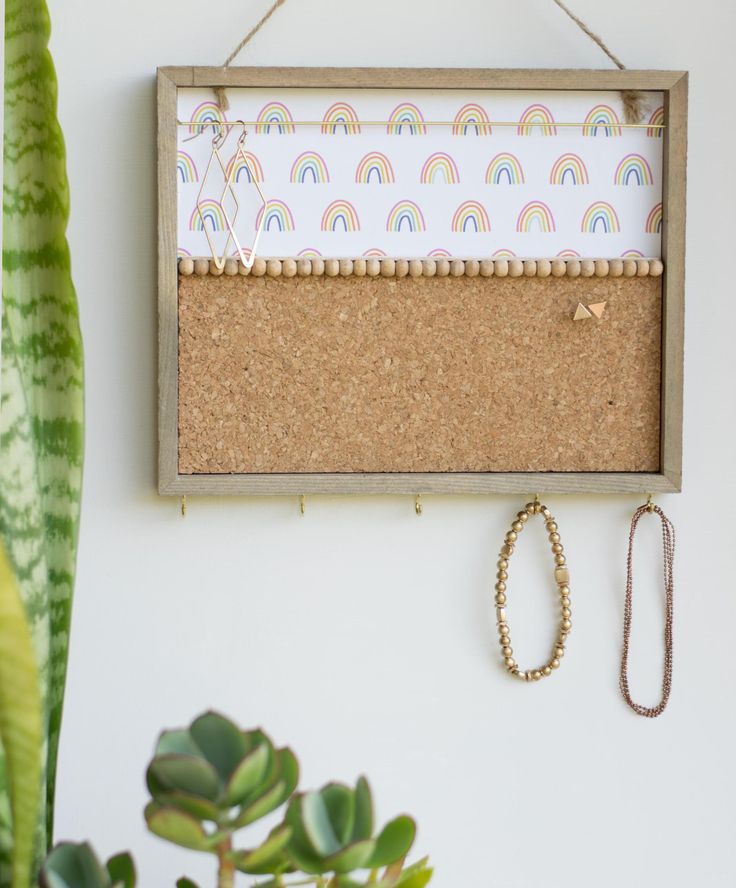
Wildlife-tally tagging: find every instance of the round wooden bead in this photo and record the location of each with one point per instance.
(186, 266)
(273, 268)
(601, 268)
(415, 268)
(346, 267)
(304, 267)
(332, 267)
(629, 268)
(559, 268)
(472, 268)
(318, 266)
(359, 267)
(402, 268)
(388, 268)
(215, 269)
(231, 267)
(486, 268)
(544, 268)
(429, 268)
(530, 268)
(642, 268)
(656, 268)
(373, 267)
(516, 268)
(574, 268)
(258, 268)
(443, 267)
(615, 267)
(243, 269)
(587, 268)
(288, 268)
(501, 267)
(457, 267)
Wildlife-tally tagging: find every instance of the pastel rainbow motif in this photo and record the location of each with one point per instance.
(309, 167)
(471, 216)
(600, 215)
(247, 170)
(409, 116)
(536, 118)
(633, 167)
(275, 114)
(536, 216)
(207, 112)
(309, 251)
(340, 215)
(504, 254)
(654, 220)
(374, 253)
(439, 169)
(657, 117)
(569, 169)
(603, 118)
(405, 215)
(376, 168)
(275, 214)
(439, 253)
(185, 168)
(632, 254)
(505, 168)
(207, 211)
(568, 254)
(181, 253)
(473, 118)
(340, 117)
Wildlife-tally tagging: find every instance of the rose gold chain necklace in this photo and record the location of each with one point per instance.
(668, 546)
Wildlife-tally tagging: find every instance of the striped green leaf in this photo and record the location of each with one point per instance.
(41, 376)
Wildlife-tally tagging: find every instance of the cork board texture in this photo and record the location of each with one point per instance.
(471, 374)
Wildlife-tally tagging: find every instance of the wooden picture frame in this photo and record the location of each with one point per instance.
(673, 85)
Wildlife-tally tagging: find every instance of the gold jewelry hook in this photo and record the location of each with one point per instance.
(302, 504)
(650, 503)
(418, 508)
(183, 507)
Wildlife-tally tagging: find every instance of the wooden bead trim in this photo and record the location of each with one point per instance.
(562, 579)
(290, 267)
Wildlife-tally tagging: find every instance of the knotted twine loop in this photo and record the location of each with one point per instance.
(633, 100)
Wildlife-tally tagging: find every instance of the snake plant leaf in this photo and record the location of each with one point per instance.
(363, 828)
(268, 858)
(317, 824)
(248, 775)
(186, 773)
(41, 374)
(352, 857)
(177, 827)
(340, 802)
(20, 723)
(71, 865)
(121, 870)
(394, 842)
(220, 741)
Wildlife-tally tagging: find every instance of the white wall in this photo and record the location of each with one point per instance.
(361, 634)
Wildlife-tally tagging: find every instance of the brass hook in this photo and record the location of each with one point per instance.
(418, 508)
(650, 503)
(302, 504)
(184, 507)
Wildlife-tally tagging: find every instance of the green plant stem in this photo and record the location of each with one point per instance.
(226, 869)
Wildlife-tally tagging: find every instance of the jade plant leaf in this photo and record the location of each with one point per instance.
(178, 827)
(41, 374)
(363, 810)
(20, 723)
(340, 802)
(185, 883)
(185, 773)
(71, 865)
(393, 842)
(121, 870)
(221, 742)
(268, 858)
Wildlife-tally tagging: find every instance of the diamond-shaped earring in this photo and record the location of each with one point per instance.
(246, 257)
(205, 206)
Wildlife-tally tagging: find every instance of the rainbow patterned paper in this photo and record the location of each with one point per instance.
(507, 174)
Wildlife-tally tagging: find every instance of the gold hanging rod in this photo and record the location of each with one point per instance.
(229, 124)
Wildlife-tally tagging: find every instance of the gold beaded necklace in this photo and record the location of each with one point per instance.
(562, 579)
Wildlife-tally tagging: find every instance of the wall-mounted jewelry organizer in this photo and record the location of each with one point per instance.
(465, 281)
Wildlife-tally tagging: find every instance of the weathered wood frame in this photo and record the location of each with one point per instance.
(673, 84)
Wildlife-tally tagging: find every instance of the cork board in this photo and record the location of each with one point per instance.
(401, 375)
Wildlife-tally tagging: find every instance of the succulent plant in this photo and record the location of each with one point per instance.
(210, 780)
(70, 865)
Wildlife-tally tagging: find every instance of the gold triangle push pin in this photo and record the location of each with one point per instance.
(598, 308)
(581, 313)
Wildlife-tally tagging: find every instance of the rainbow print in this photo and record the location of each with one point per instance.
(374, 253)
(181, 253)
(405, 215)
(504, 254)
(569, 169)
(602, 118)
(439, 169)
(246, 167)
(340, 215)
(568, 254)
(309, 251)
(340, 117)
(275, 114)
(439, 253)
(654, 220)
(409, 116)
(207, 210)
(374, 167)
(185, 168)
(633, 170)
(309, 167)
(655, 122)
(632, 254)
(536, 216)
(473, 118)
(600, 216)
(505, 168)
(471, 216)
(536, 118)
(207, 112)
(275, 214)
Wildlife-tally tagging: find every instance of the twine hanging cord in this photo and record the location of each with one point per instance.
(633, 100)
(668, 546)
